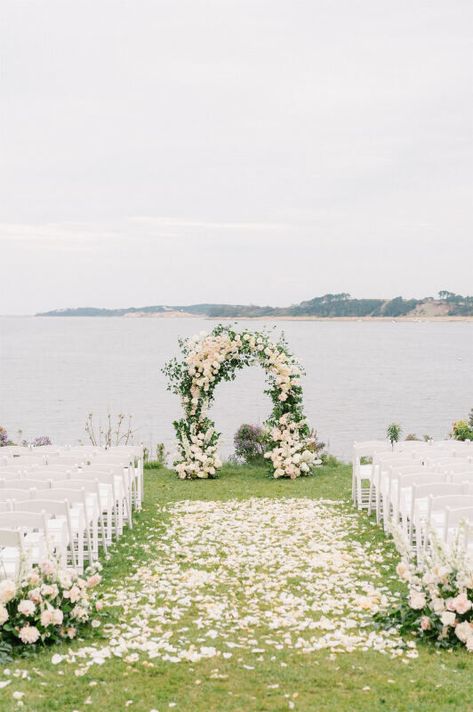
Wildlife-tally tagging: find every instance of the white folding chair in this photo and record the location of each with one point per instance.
(403, 507)
(120, 467)
(392, 500)
(91, 506)
(436, 517)
(453, 520)
(421, 513)
(35, 526)
(117, 477)
(60, 530)
(382, 471)
(13, 558)
(364, 472)
(81, 514)
(136, 454)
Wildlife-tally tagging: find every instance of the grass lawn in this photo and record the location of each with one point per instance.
(286, 679)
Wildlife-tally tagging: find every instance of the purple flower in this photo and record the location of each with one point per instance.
(42, 440)
(250, 442)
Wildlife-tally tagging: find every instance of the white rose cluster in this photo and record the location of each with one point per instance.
(201, 457)
(210, 357)
(291, 457)
(207, 354)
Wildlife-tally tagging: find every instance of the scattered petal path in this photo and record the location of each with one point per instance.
(259, 575)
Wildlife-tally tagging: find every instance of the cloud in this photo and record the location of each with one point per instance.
(81, 236)
(189, 223)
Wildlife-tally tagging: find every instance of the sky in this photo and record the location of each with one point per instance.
(241, 151)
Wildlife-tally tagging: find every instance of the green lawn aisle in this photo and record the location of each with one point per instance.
(241, 594)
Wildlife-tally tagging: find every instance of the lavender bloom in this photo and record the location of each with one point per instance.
(42, 440)
(249, 442)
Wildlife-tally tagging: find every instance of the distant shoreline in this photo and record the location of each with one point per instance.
(336, 307)
(182, 315)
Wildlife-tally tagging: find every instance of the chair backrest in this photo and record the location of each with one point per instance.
(77, 489)
(29, 460)
(421, 479)
(459, 466)
(10, 467)
(82, 453)
(26, 484)
(410, 470)
(438, 489)
(114, 458)
(137, 450)
(362, 444)
(389, 456)
(57, 468)
(384, 463)
(98, 476)
(454, 517)
(58, 507)
(454, 501)
(117, 468)
(20, 518)
(46, 475)
(447, 462)
(461, 476)
(16, 450)
(68, 460)
(11, 538)
(409, 445)
(7, 474)
(18, 494)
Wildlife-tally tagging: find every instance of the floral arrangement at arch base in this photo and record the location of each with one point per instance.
(46, 605)
(215, 356)
(438, 603)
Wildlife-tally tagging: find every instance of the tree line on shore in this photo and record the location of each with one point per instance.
(326, 306)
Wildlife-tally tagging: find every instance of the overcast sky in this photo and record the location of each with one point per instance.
(263, 151)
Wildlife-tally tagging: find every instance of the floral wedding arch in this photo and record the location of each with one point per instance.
(215, 356)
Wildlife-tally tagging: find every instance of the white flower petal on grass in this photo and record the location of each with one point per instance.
(258, 575)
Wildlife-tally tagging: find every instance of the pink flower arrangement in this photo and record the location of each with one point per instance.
(438, 605)
(49, 604)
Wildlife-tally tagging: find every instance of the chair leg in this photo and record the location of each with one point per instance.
(103, 534)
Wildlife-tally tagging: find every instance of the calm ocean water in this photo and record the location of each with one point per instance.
(360, 376)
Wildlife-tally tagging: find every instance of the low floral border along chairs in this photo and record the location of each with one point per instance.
(208, 359)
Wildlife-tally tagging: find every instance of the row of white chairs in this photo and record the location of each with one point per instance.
(71, 507)
(425, 490)
(366, 455)
(18, 459)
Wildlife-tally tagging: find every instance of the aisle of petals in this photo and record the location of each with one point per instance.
(254, 576)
